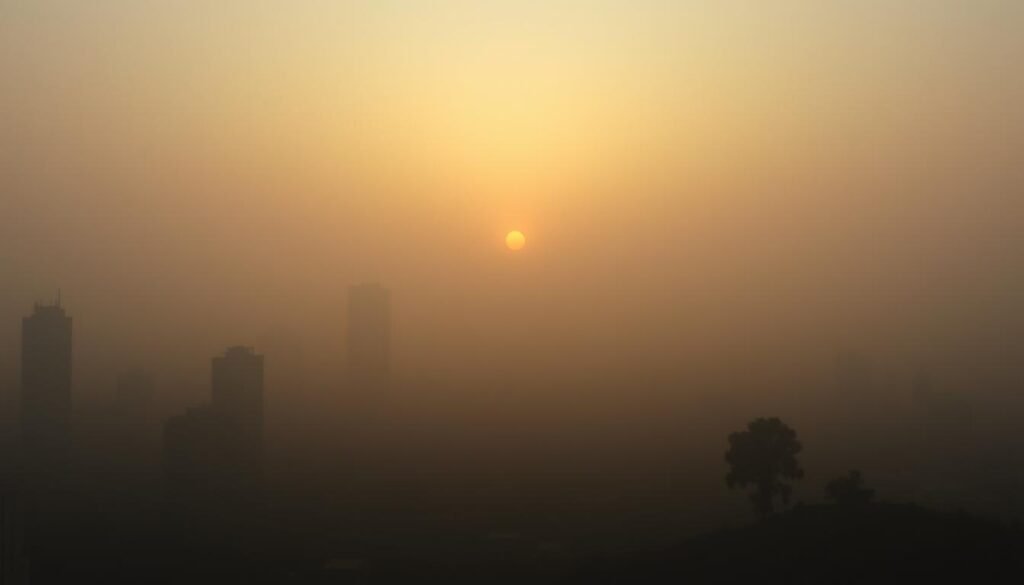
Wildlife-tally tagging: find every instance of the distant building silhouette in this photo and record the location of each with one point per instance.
(46, 388)
(214, 453)
(369, 334)
(200, 454)
(237, 382)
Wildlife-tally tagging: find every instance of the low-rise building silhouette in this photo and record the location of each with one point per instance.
(214, 453)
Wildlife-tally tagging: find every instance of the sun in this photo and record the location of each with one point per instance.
(515, 240)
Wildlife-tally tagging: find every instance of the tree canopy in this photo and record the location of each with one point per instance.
(764, 456)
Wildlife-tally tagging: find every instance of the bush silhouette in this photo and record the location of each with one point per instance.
(849, 491)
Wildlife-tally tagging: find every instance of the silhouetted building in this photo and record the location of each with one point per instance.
(200, 457)
(214, 453)
(46, 388)
(369, 333)
(237, 382)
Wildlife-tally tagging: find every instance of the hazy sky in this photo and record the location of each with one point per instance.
(222, 171)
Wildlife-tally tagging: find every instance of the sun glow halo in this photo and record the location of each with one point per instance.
(515, 240)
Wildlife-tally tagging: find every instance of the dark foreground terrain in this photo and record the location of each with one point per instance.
(878, 543)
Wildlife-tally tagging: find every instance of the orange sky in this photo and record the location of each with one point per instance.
(221, 171)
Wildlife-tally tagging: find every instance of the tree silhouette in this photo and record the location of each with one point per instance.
(849, 491)
(763, 456)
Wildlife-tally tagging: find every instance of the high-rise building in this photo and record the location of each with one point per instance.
(237, 382)
(46, 387)
(215, 452)
(369, 333)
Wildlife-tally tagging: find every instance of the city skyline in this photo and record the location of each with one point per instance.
(545, 292)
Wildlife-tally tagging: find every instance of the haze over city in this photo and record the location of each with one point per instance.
(508, 273)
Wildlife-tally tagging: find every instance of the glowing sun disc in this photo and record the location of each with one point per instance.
(515, 240)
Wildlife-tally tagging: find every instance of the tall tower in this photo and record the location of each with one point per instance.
(46, 387)
(369, 333)
(237, 381)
